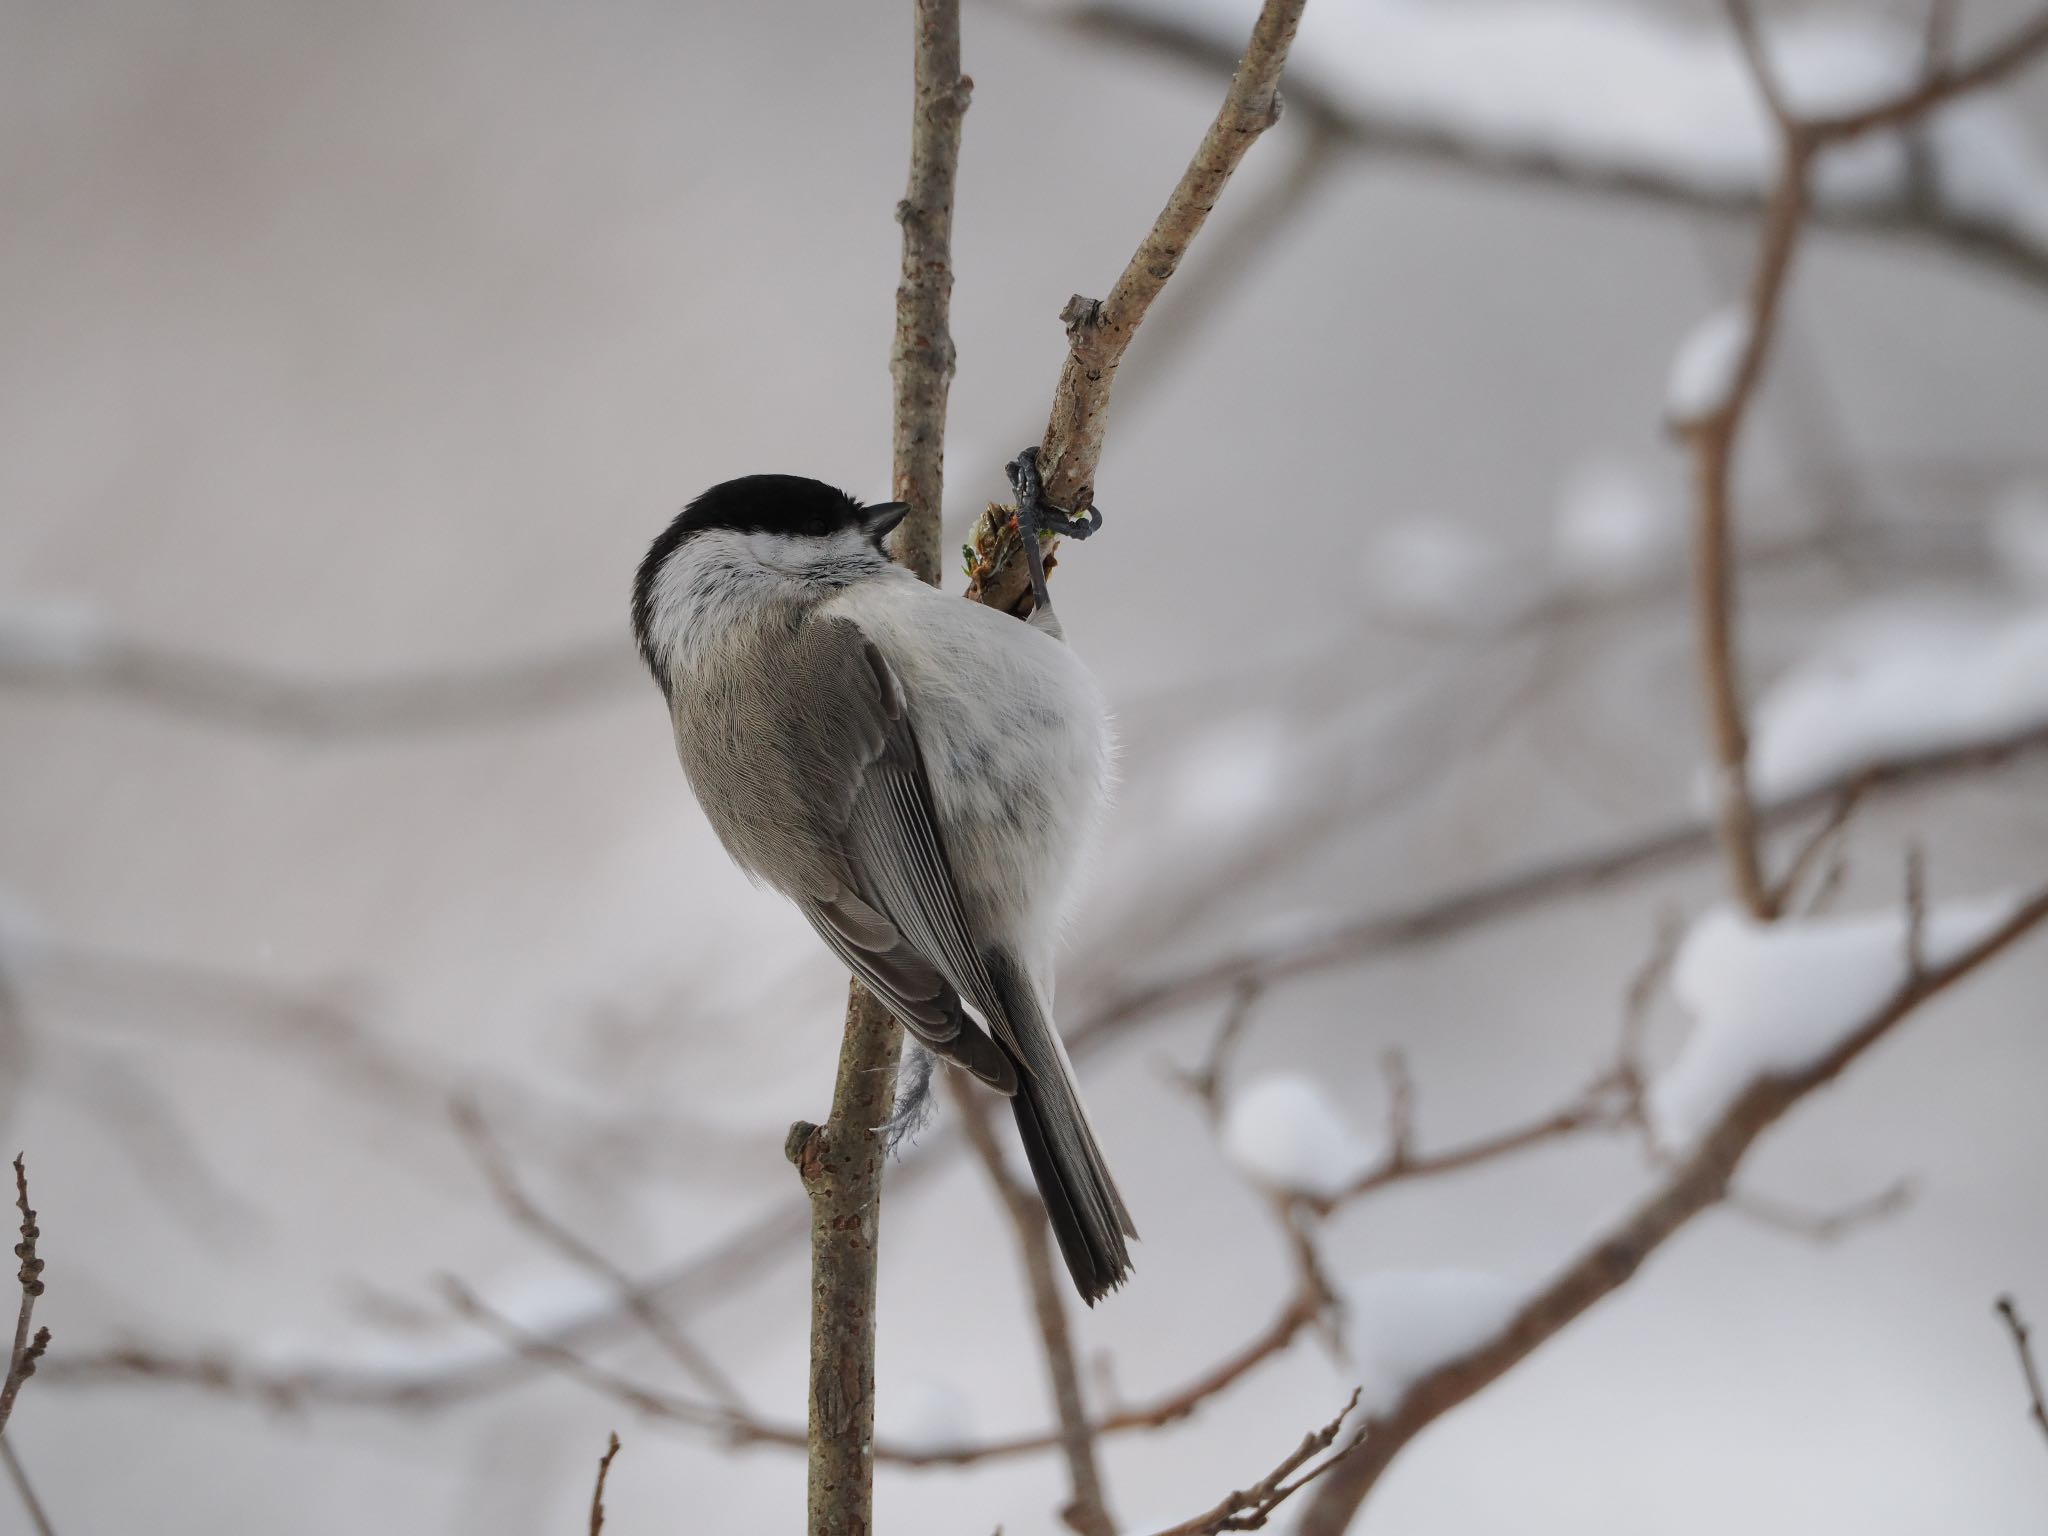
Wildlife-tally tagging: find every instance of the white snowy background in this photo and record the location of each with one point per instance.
(374, 340)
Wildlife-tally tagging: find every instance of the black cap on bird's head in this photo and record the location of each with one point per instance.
(789, 505)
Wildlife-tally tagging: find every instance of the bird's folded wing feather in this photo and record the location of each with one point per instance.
(896, 918)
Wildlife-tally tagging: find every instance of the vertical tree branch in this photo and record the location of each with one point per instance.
(921, 360)
(1088, 1511)
(1712, 439)
(841, 1161)
(1099, 332)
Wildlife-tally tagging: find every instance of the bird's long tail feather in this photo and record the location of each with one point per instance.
(1087, 1213)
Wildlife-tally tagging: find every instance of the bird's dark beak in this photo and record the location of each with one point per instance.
(881, 519)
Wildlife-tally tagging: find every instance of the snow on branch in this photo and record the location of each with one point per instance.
(1894, 682)
(1647, 102)
(1697, 1183)
(1767, 999)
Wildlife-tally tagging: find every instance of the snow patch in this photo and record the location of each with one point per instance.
(1768, 999)
(1896, 682)
(1400, 1325)
(1704, 368)
(1437, 571)
(1232, 773)
(1283, 1132)
(1611, 528)
(1623, 88)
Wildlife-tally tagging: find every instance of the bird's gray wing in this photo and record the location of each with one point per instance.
(895, 917)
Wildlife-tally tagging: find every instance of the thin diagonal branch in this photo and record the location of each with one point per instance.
(2020, 47)
(1697, 1183)
(1099, 332)
(1248, 1509)
(2037, 1407)
(38, 1518)
(1966, 235)
(512, 1196)
(226, 694)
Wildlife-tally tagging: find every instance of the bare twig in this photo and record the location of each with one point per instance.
(729, 1265)
(1248, 1509)
(1824, 1226)
(662, 1328)
(2017, 49)
(604, 1467)
(1498, 897)
(28, 1348)
(233, 695)
(1698, 1183)
(2022, 1344)
(1099, 332)
(1962, 233)
(1087, 1510)
(1822, 841)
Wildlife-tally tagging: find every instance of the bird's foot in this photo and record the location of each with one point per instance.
(1037, 517)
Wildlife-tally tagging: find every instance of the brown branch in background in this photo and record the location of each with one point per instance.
(234, 695)
(604, 1468)
(1087, 1511)
(1099, 332)
(1713, 434)
(1248, 1509)
(519, 1206)
(1499, 897)
(1958, 232)
(725, 1268)
(2022, 1343)
(1703, 1178)
(28, 1348)
(1712, 437)
(1697, 1183)
(1823, 1226)
(1818, 844)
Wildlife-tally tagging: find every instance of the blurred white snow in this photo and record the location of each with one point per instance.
(1611, 529)
(1283, 1131)
(1633, 89)
(1899, 679)
(1771, 998)
(1704, 367)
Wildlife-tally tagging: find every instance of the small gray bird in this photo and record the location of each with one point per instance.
(922, 776)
